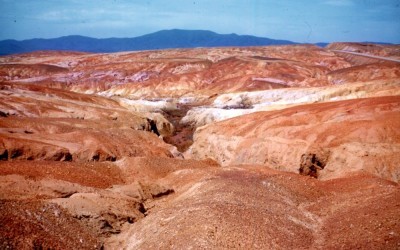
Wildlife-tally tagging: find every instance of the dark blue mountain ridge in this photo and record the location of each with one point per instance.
(164, 39)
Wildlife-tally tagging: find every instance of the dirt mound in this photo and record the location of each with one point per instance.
(254, 207)
(101, 198)
(153, 168)
(39, 225)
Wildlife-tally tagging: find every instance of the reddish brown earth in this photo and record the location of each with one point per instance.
(52, 124)
(255, 207)
(390, 51)
(300, 149)
(176, 73)
(345, 136)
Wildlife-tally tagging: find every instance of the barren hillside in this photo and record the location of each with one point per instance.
(211, 148)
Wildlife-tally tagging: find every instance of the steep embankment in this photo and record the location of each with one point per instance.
(48, 124)
(338, 137)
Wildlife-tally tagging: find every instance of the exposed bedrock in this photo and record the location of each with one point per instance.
(358, 135)
(231, 105)
(52, 124)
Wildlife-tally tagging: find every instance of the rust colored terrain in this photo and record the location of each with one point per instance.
(281, 147)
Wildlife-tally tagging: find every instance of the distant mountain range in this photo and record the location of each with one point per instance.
(165, 39)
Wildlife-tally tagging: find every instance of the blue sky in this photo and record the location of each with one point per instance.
(296, 20)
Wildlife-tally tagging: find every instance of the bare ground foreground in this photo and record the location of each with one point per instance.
(281, 147)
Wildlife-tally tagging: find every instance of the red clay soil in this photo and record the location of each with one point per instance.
(51, 124)
(360, 134)
(173, 73)
(234, 207)
(84, 171)
(253, 207)
(33, 224)
(90, 174)
(366, 72)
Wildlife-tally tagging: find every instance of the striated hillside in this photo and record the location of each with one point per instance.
(176, 73)
(338, 137)
(280, 147)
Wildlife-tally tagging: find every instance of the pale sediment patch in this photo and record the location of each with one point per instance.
(231, 105)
